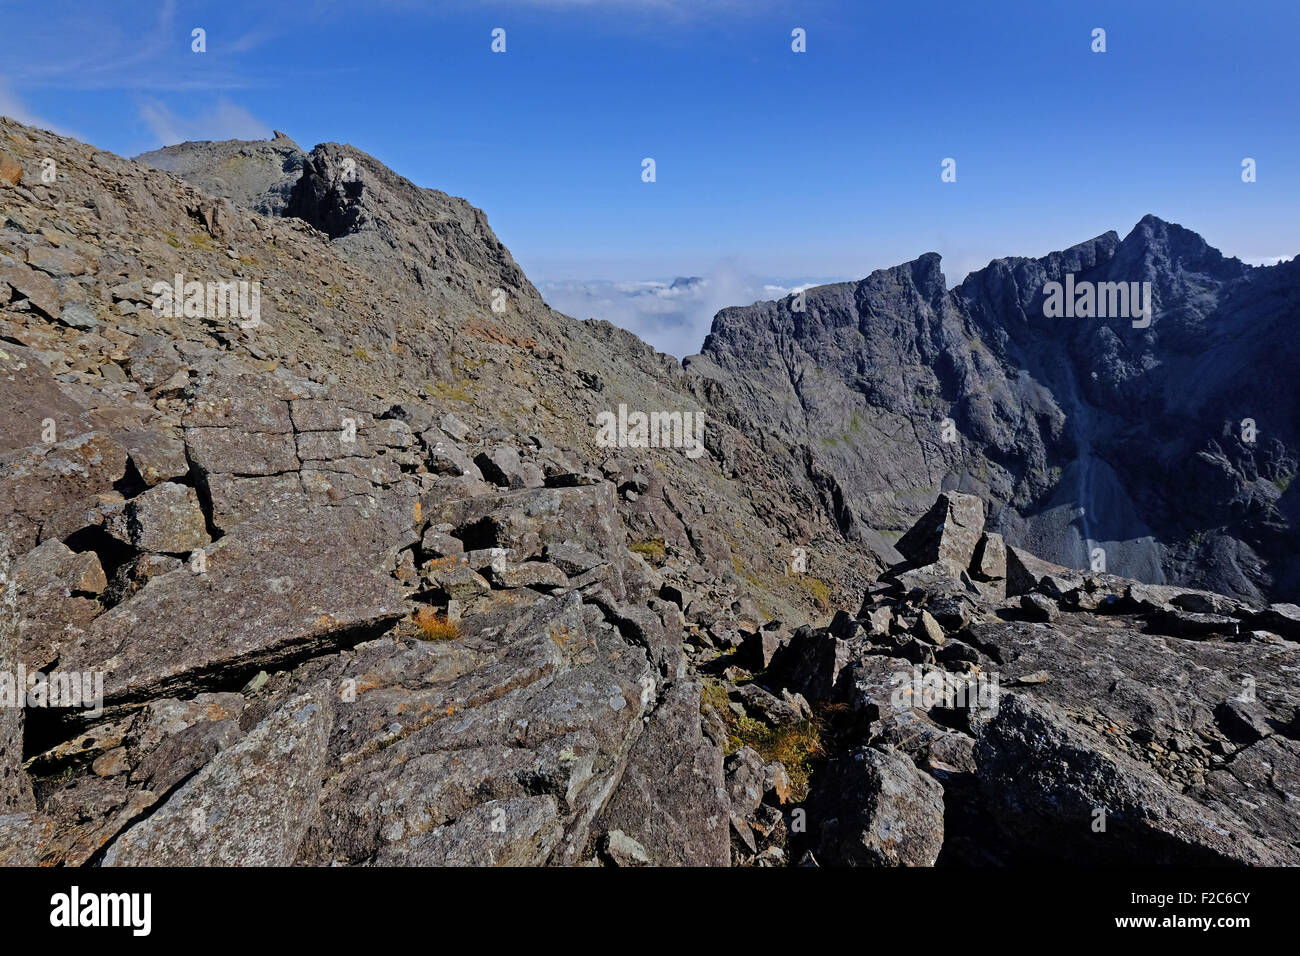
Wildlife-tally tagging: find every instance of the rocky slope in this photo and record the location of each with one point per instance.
(1084, 433)
(362, 588)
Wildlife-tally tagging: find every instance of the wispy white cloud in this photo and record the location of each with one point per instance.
(224, 120)
(11, 105)
(673, 316)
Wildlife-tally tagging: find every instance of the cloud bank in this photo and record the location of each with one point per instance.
(672, 315)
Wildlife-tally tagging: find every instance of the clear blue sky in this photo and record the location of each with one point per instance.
(817, 164)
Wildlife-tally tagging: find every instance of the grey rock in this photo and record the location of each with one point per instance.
(1049, 780)
(250, 806)
(874, 808)
(166, 518)
(78, 315)
(621, 850)
(681, 818)
(948, 533)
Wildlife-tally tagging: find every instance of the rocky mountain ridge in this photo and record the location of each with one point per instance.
(362, 588)
(1169, 448)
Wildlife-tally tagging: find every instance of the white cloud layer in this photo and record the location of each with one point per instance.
(673, 316)
(224, 120)
(13, 107)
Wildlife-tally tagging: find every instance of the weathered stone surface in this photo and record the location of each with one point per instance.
(523, 706)
(928, 630)
(1049, 780)
(250, 806)
(531, 574)
(36, 287)
(1038, 607)
(15, 788)
(232, 451)
(766, 706)
(54, 566)
(502, 466)
(1281, 619)
(1025, 571)
(157, 456)
(874, 808)
(947, 533)
(673, 799)
(621, 850)
(1187, 624)
(58, 262)
(235, 499)
(457, 581)
(528, 521)
(49, 490)
(758, 649)
(10, 171)
(166, 518)
(320, 579)
(990, 560)
(810, 664)
(24, 839)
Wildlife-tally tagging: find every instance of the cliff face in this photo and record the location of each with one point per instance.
(1085, 432)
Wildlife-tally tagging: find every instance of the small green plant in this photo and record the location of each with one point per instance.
(817, 589)
(797, 746)
(652, 549)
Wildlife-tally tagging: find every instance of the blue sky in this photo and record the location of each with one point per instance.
(772, 167)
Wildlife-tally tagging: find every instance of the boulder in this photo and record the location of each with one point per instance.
(948, 533)
(166, 518)
(250, 806)
(874, 808)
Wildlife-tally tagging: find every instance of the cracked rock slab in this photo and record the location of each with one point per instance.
(250, 806)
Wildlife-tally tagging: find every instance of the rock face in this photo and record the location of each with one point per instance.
(258, 176)
(15, 787)
(672, 800)
(1082, 433)
(349, 579)
(890, 812)
(250, 805)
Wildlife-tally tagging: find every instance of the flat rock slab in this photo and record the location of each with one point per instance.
(250, 806)
(1062, 795)
(319, 577)
(673, 798)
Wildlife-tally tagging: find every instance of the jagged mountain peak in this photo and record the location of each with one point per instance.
(1084, 430)
(1155, 250)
